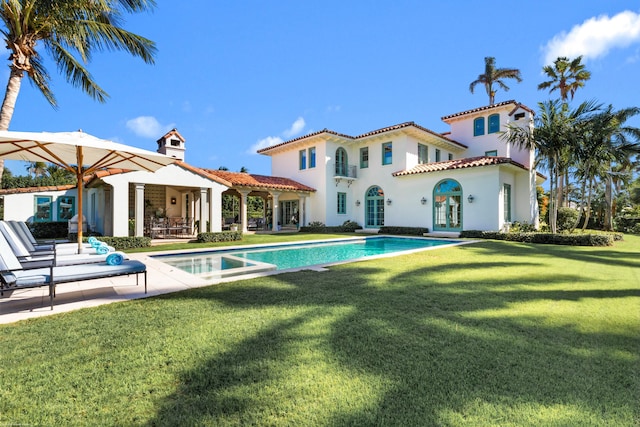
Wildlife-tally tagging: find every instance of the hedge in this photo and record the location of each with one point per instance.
(547, 238)
(318, 227)
(124, 243)
(410, 231)
(223, 236)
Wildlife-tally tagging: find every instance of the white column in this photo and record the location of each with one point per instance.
(204, 203)
(274, 210)
(139, 211)
(301, 210)
(243, 209)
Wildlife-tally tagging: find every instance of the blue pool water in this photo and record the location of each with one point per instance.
(224, 263)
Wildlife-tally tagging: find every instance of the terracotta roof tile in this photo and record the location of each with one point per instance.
(37, 189)
(366, 135)
(239, 179)
(470, 162)
(489, 107)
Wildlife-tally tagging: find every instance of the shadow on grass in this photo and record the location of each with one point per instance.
(438, 363)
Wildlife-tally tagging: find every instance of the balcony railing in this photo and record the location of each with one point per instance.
(345, 171)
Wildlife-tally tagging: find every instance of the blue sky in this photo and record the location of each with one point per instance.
(235, 76)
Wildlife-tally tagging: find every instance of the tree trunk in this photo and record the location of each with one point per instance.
(553, 206)
(580, 206)
(608, 216)
(9, 104)
(587, 216)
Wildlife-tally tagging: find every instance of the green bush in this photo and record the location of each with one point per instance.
(410, 231)
(566, 219)
(222, 236)
(124, 243)
(547, 238)
(49, 230)
(319, 227)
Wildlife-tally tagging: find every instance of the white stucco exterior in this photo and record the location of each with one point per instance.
(484, 166)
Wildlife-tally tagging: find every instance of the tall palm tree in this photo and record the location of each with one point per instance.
(70, 31)
(552, 137)
(493, 75)
(37, 169)
(565, 76)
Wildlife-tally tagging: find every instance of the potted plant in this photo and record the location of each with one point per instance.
(233, 227)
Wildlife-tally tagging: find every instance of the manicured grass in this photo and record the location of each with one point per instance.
(494, 333)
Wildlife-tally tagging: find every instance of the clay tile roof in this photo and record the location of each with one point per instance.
(36, 189)
(239, 179)
(320, 132)
(486, 107)
(470, 162)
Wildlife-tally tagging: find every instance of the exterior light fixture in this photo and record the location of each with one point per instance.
(388, 201)
(357, 202)
(423, 200)
(470, 198)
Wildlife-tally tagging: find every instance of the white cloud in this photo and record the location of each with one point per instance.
(148, 127)
(295, 128)
(595, 37)
(264, 143)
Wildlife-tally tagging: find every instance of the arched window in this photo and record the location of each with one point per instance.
(494, 123)
(374, 207)
(447, 206)
(341, 162)
(478, 126)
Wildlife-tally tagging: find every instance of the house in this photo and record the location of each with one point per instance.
(402, 175)
(408, 175)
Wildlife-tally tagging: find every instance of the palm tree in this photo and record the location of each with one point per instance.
(37, 169)
(565, 76)
(70, 31)
(493, 75)
(552, 137)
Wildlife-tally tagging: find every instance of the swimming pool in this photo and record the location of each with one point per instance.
(256, 259)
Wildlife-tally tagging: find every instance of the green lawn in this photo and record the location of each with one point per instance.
(494, 333)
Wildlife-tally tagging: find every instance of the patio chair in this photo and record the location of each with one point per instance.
(24, 233)
(41, 257)
(13, 275)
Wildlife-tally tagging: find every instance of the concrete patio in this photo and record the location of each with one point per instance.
(162, 278)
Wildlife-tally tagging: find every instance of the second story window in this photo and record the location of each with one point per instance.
(387, 153)
(364, 157)
(478, 126)
(438, 155)
(423, 154)
(450, 156)
(302, 158)
(342, 203)
(312, 157)
(494, 123)
(492, 153)
(341, 162)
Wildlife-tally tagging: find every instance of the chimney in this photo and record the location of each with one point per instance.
(172, 144)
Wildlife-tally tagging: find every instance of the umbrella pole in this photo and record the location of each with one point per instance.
(80, 184)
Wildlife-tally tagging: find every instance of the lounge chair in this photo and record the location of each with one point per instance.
(31, 257)
(13, 275)
(24, 233)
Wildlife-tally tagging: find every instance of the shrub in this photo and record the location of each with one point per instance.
(411, 231)
(124, 243)
(319, 227)
(567, 218)
(602, 239)
(49, 230)
(222, 236)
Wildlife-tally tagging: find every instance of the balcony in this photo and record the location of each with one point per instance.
(348, 173)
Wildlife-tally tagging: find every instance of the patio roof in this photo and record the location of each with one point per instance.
(261, 182)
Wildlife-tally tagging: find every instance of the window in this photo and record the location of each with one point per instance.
(494, 123)
(374, 207)
(438, 154)
(478, 126)
(507, 203)
(450, 156)
(423, 154)
(491, 153)
(447, 206)
(42, 209)
(342, 203)
(312, 157)
(302, 154)
(66, 208)
(341, 162)
(518, 116)
(387, 153)
(364, 157)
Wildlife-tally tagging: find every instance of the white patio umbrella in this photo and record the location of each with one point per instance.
(78, 152)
